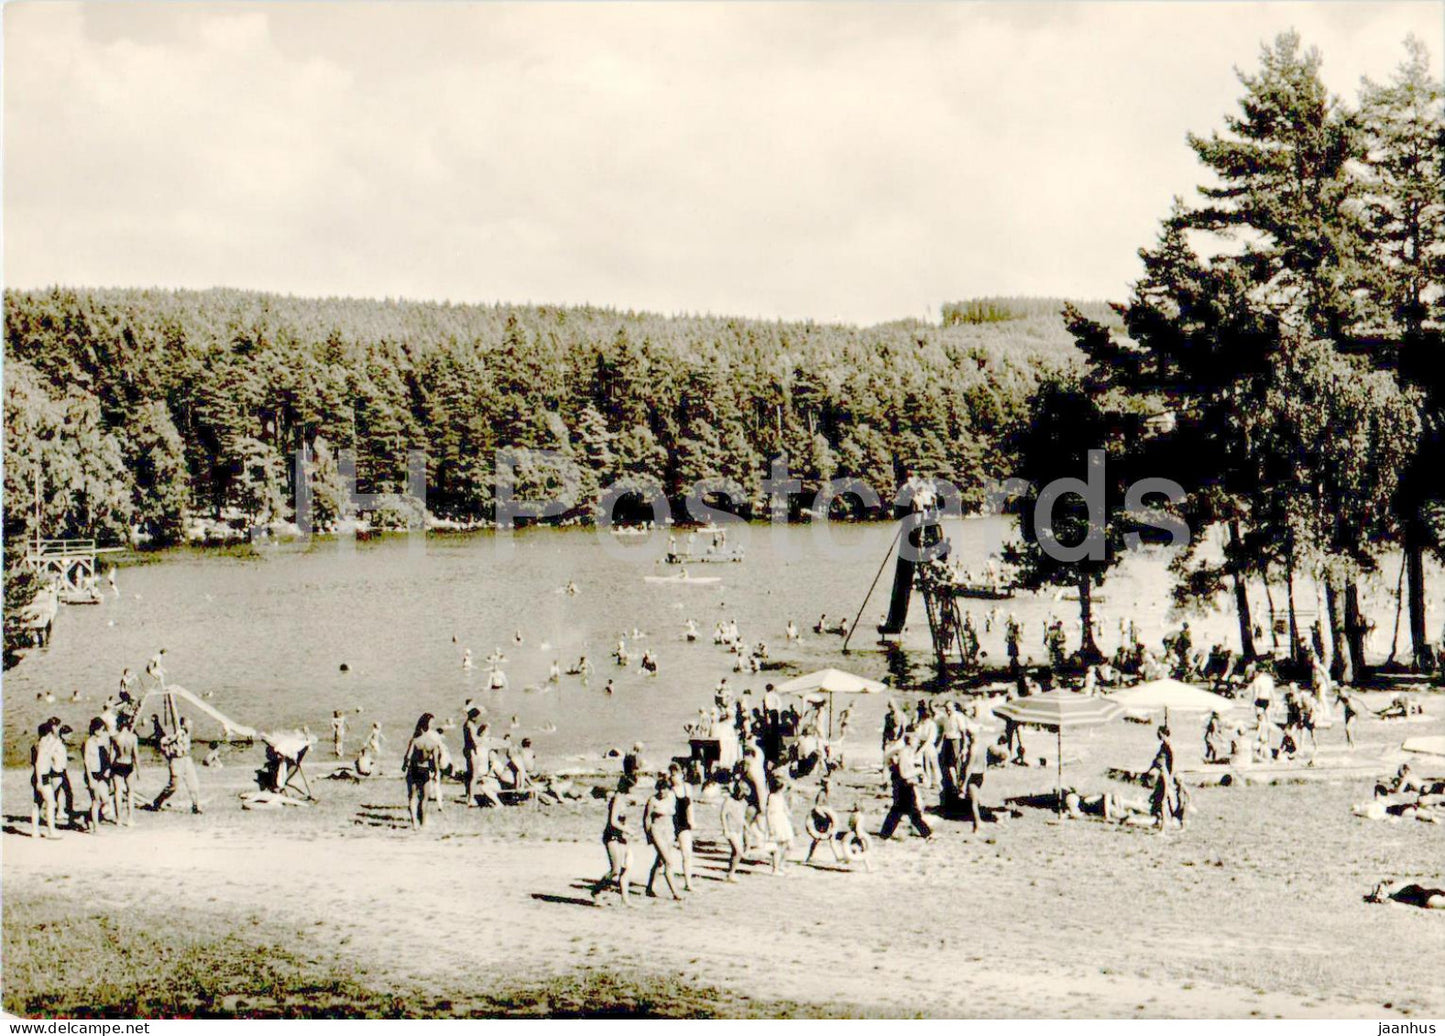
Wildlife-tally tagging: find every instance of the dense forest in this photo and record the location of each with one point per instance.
(1282, 359)
(144, 407)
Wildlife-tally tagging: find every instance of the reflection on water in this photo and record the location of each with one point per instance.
(264, 637)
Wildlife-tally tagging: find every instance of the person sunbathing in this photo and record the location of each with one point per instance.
(1404, 782)
(1410, 895)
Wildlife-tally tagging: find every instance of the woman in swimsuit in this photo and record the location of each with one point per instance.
(682, 821)
(616, 840)
(657, 824)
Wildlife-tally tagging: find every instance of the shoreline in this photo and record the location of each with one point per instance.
(1023, 920)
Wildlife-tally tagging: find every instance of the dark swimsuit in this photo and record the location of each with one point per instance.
(682, 814)
(614, 833)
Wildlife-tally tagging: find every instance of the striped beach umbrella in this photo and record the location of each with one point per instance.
(1055, 710)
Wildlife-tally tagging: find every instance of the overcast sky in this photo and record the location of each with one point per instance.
(834, 161)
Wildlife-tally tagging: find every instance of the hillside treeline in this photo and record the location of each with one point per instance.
(143, 407)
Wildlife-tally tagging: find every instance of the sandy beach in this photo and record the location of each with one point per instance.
(1030, 918)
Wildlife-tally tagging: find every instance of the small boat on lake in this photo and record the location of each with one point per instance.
(983, 591)
(684, 579)
(712, 557)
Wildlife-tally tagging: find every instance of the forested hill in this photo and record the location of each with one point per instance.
(142, 406)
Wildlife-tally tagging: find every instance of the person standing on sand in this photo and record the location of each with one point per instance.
(47, 766)
(951, 728)
(616, 841)
(657, 825)
(975, 768)
(422, 763)
(476, 752)
(338, 732)
(682, 821)
(755, 779)
(780, 824)
(124, 765)
(734, 820)
(1350, 711)
(176, 747)
(903, 770)
(96, 754)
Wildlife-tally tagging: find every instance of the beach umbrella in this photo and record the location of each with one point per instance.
(1055, 710)
(830, 682)
(1171, 695)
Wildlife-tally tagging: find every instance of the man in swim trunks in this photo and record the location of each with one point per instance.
(124, 765)
(47, 766)
(975, 768)
(423, 763)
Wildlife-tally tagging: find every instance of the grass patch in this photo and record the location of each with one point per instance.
(67, 961)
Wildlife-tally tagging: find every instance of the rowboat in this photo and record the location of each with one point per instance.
(983, 591)
(716, 557)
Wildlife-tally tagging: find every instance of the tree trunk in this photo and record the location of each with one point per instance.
(1241, 594)
(1273, 614)
(1340, 669)
(1355, 631)
(1415, 588)
(1087, 647)
(1293, 618)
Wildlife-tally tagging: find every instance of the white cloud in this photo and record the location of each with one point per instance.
(835, 161)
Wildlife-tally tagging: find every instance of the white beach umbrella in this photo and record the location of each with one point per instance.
(830, 682)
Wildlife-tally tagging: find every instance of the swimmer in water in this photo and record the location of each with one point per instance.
(467, 659)
(609, 688)
(691, 632)
(792, 631)
(554, 674)
(517, 637)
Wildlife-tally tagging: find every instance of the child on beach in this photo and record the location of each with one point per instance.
(734, 818)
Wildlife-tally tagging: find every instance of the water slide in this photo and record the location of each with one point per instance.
(921, 535)
(229, 727)
(898, 600)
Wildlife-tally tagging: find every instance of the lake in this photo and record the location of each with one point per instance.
(264, 635)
